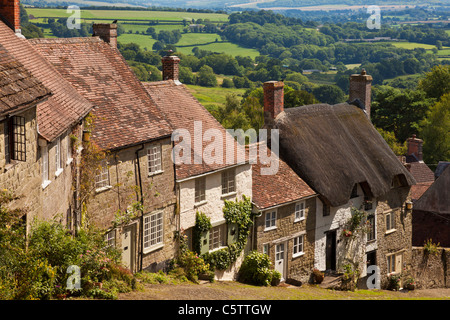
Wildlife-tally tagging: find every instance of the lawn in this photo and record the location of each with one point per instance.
(222, 46)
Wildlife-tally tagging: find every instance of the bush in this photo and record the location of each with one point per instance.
(255, 269)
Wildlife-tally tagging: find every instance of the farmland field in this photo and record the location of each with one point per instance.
(129, 14)
(412, 45)
(136, 23)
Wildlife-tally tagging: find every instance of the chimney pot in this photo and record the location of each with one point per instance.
(170, 68)
(107, 32)
(360, 88)
(273, 99)
(10, 12)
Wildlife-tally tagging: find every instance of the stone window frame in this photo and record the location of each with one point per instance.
(271, 217)
(58, 157)
(299, 214)
(228, 181)
(45, 167)
(389, 219)
(102, 178)
(200, 190)
(154, 159)
(153, 231)
(110, 238)
(391, 262)
(297, 245)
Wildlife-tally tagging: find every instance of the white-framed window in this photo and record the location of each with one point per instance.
(299, 211)
(153, 230)
(298, 246)
(218, 236)
(58, 167)
(200, 189)
(44, 155)
(102, 177)
(228, 181)
(390, 221)
(394, 263)
(270, 220)
(154, 159)
(110, 238)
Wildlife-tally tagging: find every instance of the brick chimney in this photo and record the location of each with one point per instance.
(10, 14)
(107, 32)
(414, 147)
(273, 99)
(170, 70)
(360, 88)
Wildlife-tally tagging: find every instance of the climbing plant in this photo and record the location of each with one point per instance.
(237, 214)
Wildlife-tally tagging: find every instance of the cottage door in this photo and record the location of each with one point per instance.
(279, 259)
(128, 240)
(330, 253)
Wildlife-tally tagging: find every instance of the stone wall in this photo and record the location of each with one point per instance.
(430, 270)
(158, 193)
(299, 267)
(23, 178)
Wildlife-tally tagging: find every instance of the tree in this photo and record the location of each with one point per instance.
(296, 98)
(436, 82)
(399, 111)
(206, 77)
(435, 132)
(328, 94)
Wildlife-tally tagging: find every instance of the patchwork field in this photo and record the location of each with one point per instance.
(136, 23)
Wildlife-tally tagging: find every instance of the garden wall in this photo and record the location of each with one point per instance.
(431, 270)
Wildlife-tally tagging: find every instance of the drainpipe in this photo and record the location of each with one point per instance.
(141, 227)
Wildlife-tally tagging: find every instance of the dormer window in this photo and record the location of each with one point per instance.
(354, 193)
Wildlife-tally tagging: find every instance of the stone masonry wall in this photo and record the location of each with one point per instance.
(430, 270)
(300, 267)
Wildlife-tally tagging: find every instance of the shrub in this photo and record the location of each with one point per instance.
(431, 248)
(255, 269)
(318, 276)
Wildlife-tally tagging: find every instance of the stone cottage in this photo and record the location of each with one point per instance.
(133, 196)
(284, 224)
(205, 177)
(46, 134)
(336, 150)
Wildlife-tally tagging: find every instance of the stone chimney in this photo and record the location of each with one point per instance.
(10, 14)
(170, 70)
(360, 88)
(273, 100)
(107, 32)
(414, 147)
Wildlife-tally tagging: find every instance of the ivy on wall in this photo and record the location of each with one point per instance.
(238, 216)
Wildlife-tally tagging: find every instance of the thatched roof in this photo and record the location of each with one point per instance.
(333, 147)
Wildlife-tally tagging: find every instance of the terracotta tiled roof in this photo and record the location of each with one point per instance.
(66, 106)
(18, 88)
(420, 171)
(283, 187)
(182, 110)
(125, 114)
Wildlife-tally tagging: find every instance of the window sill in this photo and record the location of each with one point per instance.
(227, 195)
(218, 248)
(69, 161)
(98, 190)
(390, 231)
(58, 172)
(150, 174)
(45, 184)
(270, 228)
(298, 254)
(199, 204)
(153, 248)
(300, 219)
